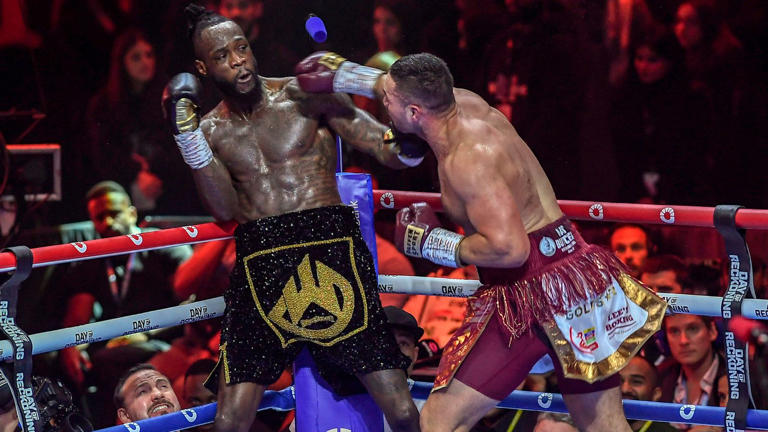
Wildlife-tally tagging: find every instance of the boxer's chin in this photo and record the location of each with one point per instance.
(243, 92)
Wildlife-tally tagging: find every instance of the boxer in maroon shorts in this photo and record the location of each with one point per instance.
(545, 290)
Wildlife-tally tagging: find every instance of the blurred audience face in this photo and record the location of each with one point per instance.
(386, 29)
(664, 281)
(630, 244)
(112, 214)
(196, 394)
(139, 62)
(690, 338)
(244, 12)
(639, 381)
(688, 27)
(147, 393)
(407, 344)
(650, 67)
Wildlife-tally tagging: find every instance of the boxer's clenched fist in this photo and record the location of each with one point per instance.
(418, 234)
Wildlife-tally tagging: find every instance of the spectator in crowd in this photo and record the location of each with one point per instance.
(536, 72)
(440, 316)
(407, 334)
(640, 381)
(125, 135)
(555, 422)
(120, 285)
(691, 375)
(631, 244)
(391, 31)
(142, 393)
(717, 67)
(625, 22)
(706, 278)
(665, 274)
(194, 393)
(188, 349)
(393, 28)
(713, 55)
(659, 128)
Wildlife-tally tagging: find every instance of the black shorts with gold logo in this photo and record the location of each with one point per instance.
(303, 279)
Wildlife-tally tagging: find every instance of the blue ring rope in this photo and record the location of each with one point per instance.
(283, 400)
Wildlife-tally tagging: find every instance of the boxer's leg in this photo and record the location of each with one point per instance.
(491, 371)
(237, 406)
(389, 389)
(593, 407)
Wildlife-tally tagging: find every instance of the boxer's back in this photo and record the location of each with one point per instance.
(280, 160)
(480, 128)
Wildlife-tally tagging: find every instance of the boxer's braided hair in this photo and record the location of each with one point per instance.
(199, 19)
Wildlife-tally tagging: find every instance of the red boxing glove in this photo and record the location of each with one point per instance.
(418, 234)
(328, 72)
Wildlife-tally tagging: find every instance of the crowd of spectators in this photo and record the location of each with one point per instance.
(653, 101)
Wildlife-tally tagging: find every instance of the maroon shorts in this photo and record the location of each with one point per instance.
(495, 368)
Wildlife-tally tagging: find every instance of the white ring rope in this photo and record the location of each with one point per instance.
(212, 308)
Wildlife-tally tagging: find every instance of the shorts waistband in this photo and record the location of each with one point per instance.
(549, 244)
(308, 225)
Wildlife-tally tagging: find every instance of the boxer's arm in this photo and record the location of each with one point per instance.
(500, 239)
(352, 124)
(214, 184)
(364, 133)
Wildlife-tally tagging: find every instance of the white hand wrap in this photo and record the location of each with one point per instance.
(194, 148)
(356, 79)
(442, 247)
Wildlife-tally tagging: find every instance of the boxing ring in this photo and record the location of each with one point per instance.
(729, 220)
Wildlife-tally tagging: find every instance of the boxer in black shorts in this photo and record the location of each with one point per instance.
(265, 157)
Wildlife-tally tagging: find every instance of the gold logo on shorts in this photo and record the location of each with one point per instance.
(296, 299)
(322, 300)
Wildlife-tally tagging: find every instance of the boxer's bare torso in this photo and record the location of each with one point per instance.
(280, 156)
(482, 144)
(280, 160)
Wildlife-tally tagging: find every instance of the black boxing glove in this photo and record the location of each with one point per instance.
(411, 148)
(328, 72)
(181, 99)
(418, 234)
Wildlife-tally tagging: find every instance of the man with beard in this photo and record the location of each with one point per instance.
(632, 245)
(142, 393)
(545, 289)
(303, 276)
(640, 381)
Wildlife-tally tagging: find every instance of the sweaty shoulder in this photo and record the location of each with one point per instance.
(471, 103)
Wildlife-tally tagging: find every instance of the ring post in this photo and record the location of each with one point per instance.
(740, 285)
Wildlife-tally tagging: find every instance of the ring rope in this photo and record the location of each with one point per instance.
(284, 400)
(104, 330)
(580, 210)
(212, 308)
(600, 211)
(99, 248)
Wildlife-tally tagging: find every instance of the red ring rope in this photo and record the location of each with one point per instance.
(579, 210)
